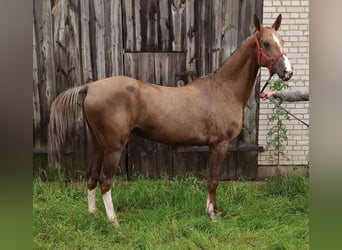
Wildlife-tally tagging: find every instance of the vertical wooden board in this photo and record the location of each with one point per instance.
(178, 24)
(36, 102)
(131, 64)
(128, 25)
(146, 67)
(246, 24)
(179, 163)
(258, 8)
(67, 45)
(45, 62)
(203, 165)
(113, 38)
(151, 19)
(99, 34)
(87, 72)
(203, 41)
(191, 35)
(192, 162)
(216, 34)
(164, 25)
(162, 67)
(137, 24)
(230, 22)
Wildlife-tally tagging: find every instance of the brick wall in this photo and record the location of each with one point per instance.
(295, 32)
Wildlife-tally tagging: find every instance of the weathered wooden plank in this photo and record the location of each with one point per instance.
(150, 12)
(164, 25)
(204, 31)
(191, 34)
(246, 24)
(45, 61)
(87, 72)
(230, 22)
(128, 25)
(216, 34)
(36, 102)
(99, 35)
(67, 47)
(178, 22)
(113, 38)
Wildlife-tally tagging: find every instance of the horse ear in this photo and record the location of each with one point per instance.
(257, 23)
(277, 23)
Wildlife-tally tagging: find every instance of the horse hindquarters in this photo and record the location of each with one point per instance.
(110, 127)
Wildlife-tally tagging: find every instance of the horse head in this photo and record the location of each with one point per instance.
(270, 49)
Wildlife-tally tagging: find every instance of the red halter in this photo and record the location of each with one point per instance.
(262, 52)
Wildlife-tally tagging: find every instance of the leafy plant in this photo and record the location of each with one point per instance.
(277, 134)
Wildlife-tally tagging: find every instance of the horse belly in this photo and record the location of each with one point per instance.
(172, 131)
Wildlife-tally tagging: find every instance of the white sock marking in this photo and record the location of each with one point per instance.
(92, 200)
(210, 207)
(107, 200)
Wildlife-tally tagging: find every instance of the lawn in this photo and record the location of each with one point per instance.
(164, 214)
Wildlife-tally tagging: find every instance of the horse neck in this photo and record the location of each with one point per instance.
(237, 74)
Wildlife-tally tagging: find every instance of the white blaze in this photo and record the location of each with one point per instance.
(276, 39)
(288, 65)
(287, 62)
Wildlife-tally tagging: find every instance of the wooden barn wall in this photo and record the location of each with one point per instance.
(167, 42)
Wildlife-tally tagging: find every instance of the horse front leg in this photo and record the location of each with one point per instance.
(217, 155)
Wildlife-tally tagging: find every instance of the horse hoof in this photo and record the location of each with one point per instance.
(115, 223)
(92, 211)
(212, 218)
(218, 212)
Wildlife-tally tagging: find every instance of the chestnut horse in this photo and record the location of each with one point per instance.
(208, 111)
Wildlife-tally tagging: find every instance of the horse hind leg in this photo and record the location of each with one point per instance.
(111, 160)
(93, 177)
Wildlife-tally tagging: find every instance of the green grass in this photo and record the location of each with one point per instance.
(158, 214)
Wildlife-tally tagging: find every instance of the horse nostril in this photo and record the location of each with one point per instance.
(287, 74)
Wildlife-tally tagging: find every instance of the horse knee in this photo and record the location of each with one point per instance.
(105, 184)
(91, 183)
(212, 185)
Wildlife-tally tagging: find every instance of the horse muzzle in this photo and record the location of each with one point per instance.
(287, 75)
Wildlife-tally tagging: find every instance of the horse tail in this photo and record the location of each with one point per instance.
(63, 113)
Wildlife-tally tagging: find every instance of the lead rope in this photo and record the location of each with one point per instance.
(271, 99)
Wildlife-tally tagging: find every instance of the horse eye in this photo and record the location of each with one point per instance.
(266, 45)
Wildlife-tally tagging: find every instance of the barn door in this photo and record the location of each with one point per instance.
(171, 42)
